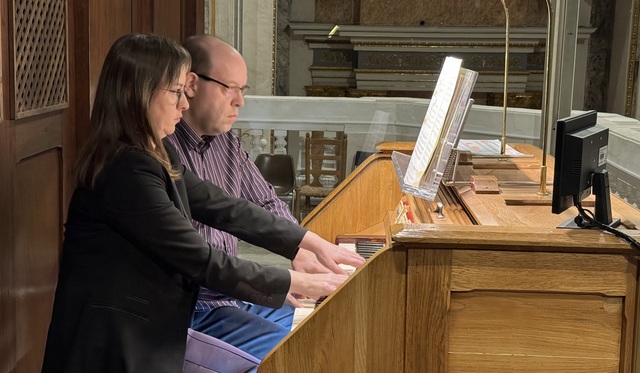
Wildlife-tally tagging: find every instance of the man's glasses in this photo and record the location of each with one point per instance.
(177, 92)
(229, 89)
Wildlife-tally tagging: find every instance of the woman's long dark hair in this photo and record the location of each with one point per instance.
(135, 69)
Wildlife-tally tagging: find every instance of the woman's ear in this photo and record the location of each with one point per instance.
(191, 84)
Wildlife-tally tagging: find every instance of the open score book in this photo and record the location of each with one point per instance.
(441, 127)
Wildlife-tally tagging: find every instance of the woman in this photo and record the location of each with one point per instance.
(131, 261)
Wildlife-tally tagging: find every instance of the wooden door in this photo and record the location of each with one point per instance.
(51, 53)
(34, 119)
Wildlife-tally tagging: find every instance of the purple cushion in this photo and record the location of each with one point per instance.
(206, 354)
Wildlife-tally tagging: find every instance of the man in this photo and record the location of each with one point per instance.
(215, 88)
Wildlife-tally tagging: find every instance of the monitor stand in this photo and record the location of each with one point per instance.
(571, 223)
(600, 188)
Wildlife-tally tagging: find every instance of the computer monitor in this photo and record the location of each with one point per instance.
(580, 165)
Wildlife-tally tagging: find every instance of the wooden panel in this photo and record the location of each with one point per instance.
(164, 10)
(357, 329)
(7, 269)
(38, 135)
(428, 282)
(193, 17)
(380, 312)
(629, 321)
(357, 203)
(534, 271)
(481, 237)
(576, 283)
(98, 24)
(530, 364)
(534, 332)
(160, 17)
(37, 244)
(142, 16)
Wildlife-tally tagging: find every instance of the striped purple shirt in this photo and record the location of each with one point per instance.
(222, 160)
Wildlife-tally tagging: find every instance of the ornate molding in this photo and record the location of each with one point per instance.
(207, 16)
(328, 41)
(633, 50)
(340, 56)
(397, 60)
(428, 72)
(274, 46)
(464, 44)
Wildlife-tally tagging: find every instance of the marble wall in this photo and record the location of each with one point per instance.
(431, 13)
(343, 12)
(623, 79)
(596, 14)
(283, 42)
(599, 61)
(250, 27)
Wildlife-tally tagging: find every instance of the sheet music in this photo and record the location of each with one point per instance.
(451, 129)
(433, 122)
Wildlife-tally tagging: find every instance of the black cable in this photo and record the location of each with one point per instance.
(586, 219)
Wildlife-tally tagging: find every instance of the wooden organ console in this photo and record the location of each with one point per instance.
(491, 286)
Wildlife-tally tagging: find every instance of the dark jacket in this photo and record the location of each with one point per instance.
(132, 262)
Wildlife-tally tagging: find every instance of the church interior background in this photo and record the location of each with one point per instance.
(374, 49)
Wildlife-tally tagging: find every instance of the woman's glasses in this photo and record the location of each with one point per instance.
(177, 92)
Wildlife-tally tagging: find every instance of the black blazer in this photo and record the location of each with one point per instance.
(132, 262)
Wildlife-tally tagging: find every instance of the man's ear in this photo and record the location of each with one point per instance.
(191, 84)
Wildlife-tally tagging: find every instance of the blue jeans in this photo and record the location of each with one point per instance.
(253, 329)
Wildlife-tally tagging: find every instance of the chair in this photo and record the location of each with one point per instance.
(325, 167)
(360, 157)
(279, 170)
(205, 354)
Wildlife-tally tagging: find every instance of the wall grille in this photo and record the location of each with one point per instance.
(40, 57)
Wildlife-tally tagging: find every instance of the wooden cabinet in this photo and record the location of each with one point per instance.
(488, 299)
(492, 287)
